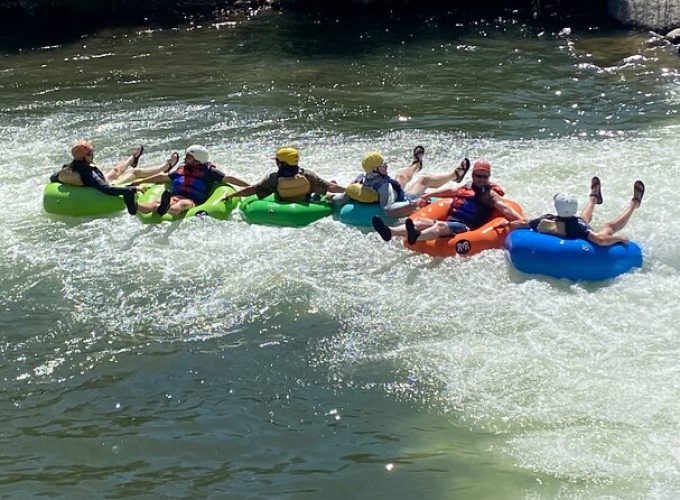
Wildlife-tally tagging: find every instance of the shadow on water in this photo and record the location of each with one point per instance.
(37, 23)
(327, 28)
(564, 284)
(310, 33)
(464, 9)
(31, 33)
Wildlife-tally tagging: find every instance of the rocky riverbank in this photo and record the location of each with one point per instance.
(660, 15)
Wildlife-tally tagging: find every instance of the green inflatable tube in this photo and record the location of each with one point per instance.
(79, 201)
(269, 211)
(213, 207)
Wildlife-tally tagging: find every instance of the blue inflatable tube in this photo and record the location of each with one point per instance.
(537, 253)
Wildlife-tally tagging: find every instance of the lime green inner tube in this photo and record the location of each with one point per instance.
(79, 201)
(213, 207)
(270, 211)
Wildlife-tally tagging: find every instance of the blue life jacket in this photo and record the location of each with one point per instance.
(190, 182)
(468, 207)
(375, 181)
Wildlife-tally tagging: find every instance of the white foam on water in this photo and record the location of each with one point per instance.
(580, 380)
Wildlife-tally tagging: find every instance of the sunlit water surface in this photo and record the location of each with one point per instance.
(219, 358)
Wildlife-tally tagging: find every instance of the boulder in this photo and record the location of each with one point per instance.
(673, 36)
(651, 14)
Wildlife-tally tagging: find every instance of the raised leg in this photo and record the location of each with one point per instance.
(405, 174)
(620, 222)
(587, 212)
(430, 181)
(595, 198)
(119, 169)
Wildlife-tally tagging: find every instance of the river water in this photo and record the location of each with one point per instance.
(219, 359)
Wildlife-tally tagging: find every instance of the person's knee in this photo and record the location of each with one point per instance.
(176, 209)
(442, 228)
(147, 208)
(401, 179)
(421, 223)
(416, 188)
(181, 206)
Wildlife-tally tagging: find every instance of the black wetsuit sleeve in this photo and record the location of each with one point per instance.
(95, 179)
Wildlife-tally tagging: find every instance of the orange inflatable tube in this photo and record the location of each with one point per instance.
(484, 238)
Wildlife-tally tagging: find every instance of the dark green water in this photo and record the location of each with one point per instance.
(218, 359)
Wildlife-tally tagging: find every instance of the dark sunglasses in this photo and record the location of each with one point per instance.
(480, 176)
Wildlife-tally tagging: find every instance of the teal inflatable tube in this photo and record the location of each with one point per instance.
(79, 201)
(359, 214)
(537, 253)
(213, 207)
(356, 213)
(272, 212)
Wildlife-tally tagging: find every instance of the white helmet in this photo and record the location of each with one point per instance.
(200, 153)
(565, 204)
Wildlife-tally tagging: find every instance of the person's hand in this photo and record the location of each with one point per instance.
(424, 200)
(502, 224)
(141, 188)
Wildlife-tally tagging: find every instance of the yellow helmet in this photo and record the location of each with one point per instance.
(372, 161)
(288, 155)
